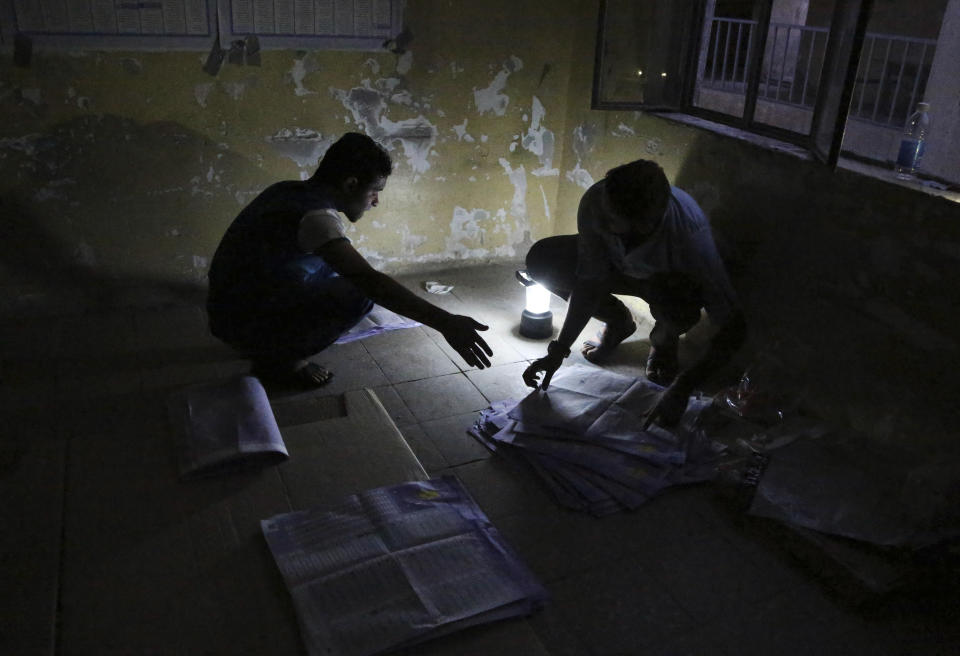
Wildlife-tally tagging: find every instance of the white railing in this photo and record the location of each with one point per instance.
(891, 79)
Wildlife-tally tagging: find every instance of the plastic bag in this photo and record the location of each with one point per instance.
(761, 394)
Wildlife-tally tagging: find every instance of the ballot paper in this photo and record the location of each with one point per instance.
(852, 486)
(377, 321)
(395, 566)
(224, 426)
(583, 438)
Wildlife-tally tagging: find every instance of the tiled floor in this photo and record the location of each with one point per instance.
(682, 575)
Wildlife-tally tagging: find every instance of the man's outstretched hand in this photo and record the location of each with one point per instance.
(461, 333)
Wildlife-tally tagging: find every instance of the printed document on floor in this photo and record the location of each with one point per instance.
(395, 566)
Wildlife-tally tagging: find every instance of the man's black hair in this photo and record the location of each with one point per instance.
(354, 155)
(639, 188)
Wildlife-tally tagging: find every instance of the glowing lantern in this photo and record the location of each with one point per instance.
(536, 321)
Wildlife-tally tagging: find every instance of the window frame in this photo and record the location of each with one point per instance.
(220, 29)
(68, 38)
(828, 124)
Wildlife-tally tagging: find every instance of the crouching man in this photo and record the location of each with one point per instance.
(638, 236)
(285, 282)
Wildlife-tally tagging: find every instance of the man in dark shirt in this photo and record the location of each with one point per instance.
(639, 236)
(285, 282)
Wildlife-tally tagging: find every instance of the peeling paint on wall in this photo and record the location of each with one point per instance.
(409, 241)
(84, 255)
(368, 107)
(304, 146)
(402, 98)
(517, 235)
(518, 176)
(26, 144)
(466, 232)
(540, 141)
(236, 90)
(405, 62)
(461, 132)
(546, 204)
(580, 177)
(33, 95)
(50, 190)
(492, 98)
(582, 145)
(201, 92)
(132, 66)
(302, 67)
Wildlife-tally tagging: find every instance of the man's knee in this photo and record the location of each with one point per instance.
(552, 258)
(347, 299)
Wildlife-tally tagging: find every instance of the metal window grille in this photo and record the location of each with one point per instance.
(891, 80)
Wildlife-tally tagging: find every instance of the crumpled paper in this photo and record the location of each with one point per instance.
(435, 287)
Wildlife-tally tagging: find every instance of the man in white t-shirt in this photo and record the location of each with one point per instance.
(639, 236)
(285, 281)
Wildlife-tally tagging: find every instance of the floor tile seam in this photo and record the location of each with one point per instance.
(676, 544)
(374, 360)
(420, 380)
(776, 556)
(393, 387)
(61, 391)
(480, 391)
(660, 583)
(668, 589)
(436, 448)
(61, 552)
(573, 572)
(581, 648)
(464, 463)
(441, 417)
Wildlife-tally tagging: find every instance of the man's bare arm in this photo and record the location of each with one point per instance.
(583, 301)
(724, 344)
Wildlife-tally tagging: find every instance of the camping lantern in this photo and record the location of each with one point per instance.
(536, 321)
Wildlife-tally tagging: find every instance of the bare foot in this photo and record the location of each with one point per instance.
(598, 349)
(301, 374)
(313, 374)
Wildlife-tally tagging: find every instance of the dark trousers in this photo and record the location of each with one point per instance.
(675, 300)
(298, 315)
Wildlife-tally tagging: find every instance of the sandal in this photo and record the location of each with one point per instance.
(607, 340)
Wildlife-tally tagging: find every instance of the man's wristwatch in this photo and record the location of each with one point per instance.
(554, 348)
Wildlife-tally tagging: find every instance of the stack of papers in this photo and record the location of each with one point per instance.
(395, 566)
(583, 438)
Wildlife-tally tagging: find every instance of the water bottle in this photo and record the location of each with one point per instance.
(912, 145)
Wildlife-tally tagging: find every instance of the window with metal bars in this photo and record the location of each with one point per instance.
(835, 76)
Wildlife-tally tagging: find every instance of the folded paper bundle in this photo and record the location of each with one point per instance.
(224, 426)
(395, 566)
(583, 438)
